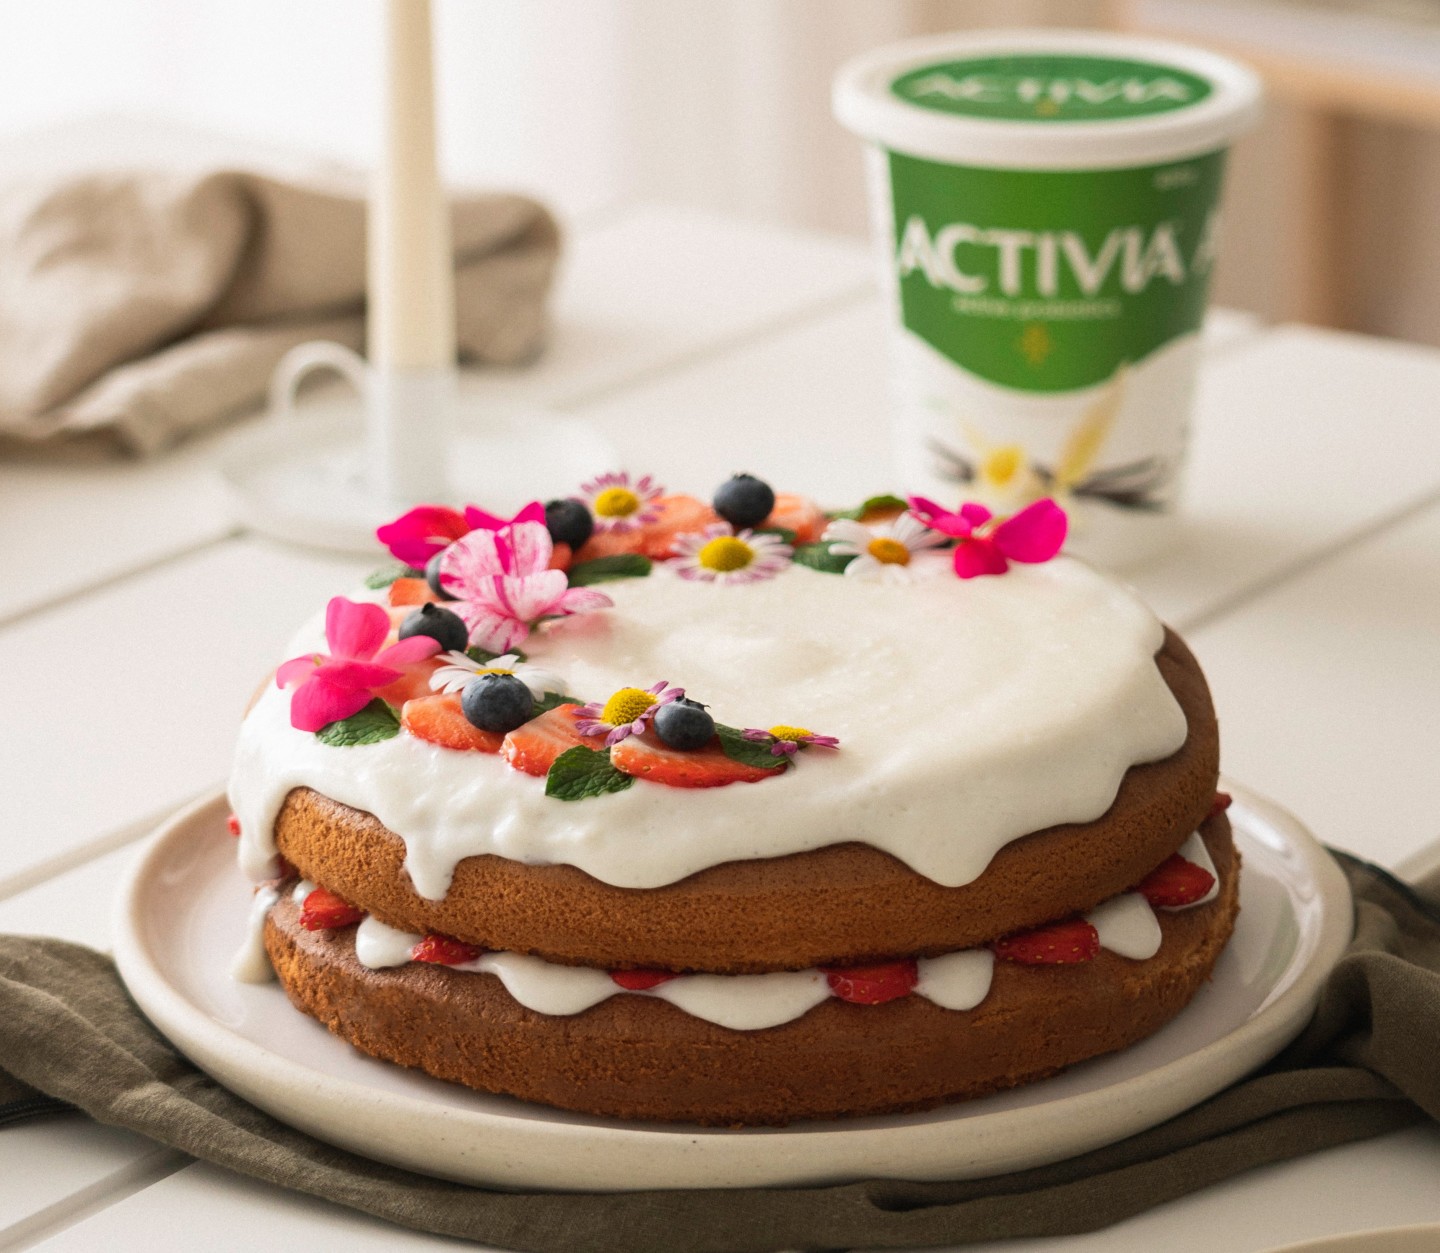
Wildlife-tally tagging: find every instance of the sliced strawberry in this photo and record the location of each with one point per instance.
(799, 514)
(1222, 802)
(323, 910)
(411, 592)
(439, 719)
(560, 557)
(534, 746)
(1175, 882)
(1060, 944)
(679, 515)
(874, 984)
(609, 544)
(232, 825)
(640, 980)
(645, 757)
(413, 683)
(445, 950)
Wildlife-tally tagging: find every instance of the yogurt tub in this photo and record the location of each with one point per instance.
(1046, 204)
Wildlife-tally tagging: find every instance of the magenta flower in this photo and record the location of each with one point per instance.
(342, 683)
(417, 536)
(626, 713)
(503, 584)
(985, 546)
(787, 741)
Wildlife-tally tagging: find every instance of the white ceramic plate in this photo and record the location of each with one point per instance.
(1424, 1239)
(182, 915)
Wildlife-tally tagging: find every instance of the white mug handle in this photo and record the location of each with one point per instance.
(303, 359)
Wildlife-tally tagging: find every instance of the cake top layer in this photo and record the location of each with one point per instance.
(969, 712)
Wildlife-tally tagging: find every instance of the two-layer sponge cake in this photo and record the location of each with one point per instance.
(736, 814)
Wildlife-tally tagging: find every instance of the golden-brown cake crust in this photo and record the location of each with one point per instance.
(844, 904)
(642, 1058)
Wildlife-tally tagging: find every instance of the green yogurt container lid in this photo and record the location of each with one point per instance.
(1046, 99)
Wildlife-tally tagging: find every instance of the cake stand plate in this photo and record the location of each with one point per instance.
(181, 916)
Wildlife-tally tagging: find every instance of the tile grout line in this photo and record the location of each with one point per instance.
(108, 581)
(740, 340)
(1261, 588)
(92, 850)
(99, 1196)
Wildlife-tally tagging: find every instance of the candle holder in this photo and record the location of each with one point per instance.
(328, 472)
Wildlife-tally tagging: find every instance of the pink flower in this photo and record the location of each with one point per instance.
(341, 684)
(619, 503)
(503, 584)
(417, 536)
(787, 741)
(985, 546)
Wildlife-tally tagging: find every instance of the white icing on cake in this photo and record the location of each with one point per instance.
(970, 713)
(957, 980)
(251, 963)
(1127, 925)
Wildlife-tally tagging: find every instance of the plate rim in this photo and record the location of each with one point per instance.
(792, 1158)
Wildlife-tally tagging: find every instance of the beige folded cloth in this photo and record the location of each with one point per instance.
(150, 305)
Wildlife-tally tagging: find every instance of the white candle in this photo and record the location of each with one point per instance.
(411, 283)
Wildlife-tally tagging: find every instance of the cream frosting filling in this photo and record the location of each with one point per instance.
(1127, 925)
(970, 713)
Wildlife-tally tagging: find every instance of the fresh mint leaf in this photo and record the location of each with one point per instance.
(582, 772)
(821, 557)
(749, 752)
(386, 575)
(374, 723)
(885, 501)
(603, 569)
(553, 700)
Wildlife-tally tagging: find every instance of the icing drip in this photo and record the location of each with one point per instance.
(1194, 850)
(746, 1002)
(1127, 925)
(957, 980)
(378, 946)
(251, 963)
(971, 713)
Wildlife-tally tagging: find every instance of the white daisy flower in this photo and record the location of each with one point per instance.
(897, 551)
(719, 555)
(462, 669)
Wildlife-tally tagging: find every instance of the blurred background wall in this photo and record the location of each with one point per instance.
(725, 107)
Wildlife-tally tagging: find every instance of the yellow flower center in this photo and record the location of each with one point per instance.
(625, 706)
(617, 502)
(725, 553)
(1002, 465)
(791, 733)
(478, 673)
(889, 551)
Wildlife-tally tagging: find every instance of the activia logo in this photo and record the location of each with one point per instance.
(1037, 88)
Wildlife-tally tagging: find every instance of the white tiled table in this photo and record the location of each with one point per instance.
(1307, 580)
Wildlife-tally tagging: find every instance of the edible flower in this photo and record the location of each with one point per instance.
(987, 546)
(503, 584)
(619, 504)
(626, 713)
(340, 684)
(898, 551)
(719, 554)
(787, 741)
(460, 670)
(417, 536)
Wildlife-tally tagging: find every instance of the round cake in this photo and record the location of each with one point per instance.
(735, 813)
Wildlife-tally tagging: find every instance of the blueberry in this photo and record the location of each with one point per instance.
(744, 501)
(432, 576)
(497, 702)
(570, 522)
(439, 624)
(684, 724)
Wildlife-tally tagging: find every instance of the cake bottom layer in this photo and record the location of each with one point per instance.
(639, 1057)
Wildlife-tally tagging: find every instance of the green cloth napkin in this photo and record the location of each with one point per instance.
(70, 1036)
